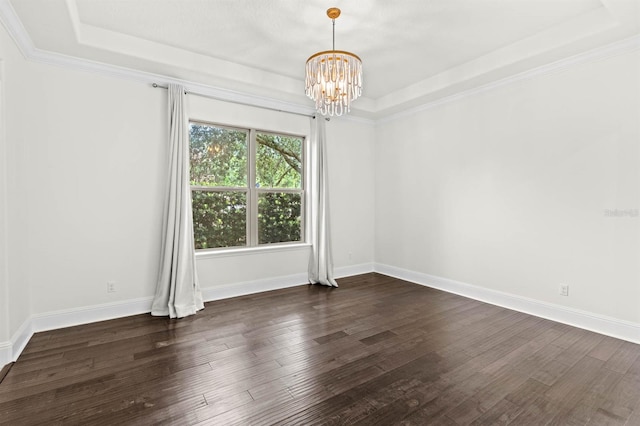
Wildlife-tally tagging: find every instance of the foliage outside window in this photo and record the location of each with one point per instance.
(247, 186)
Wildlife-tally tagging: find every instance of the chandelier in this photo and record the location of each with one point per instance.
(333, 77)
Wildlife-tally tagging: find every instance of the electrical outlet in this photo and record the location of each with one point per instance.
(563, 290)
(111, 286)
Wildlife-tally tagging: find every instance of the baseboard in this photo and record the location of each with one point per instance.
(251, 287)
(5, 370)
(613, 327)
(11, 350)
(349, 271)
(107, 311)
(6, 353)
(89, 314)
(257, 286)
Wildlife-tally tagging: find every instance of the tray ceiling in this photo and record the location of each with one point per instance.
(413, 51)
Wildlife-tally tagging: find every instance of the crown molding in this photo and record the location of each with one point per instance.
(16, 30)
(614, 49)
(18, 33)
(23, 41)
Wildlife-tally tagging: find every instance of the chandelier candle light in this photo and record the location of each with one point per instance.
(333, 77)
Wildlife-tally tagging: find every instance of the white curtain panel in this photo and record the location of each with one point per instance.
(178, 292)
(321, 260)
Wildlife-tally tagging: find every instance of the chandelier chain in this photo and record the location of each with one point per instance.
(334, 34)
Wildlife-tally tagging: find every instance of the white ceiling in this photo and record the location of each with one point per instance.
(413, 51)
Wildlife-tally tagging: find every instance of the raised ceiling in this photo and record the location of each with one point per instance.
(413, 51)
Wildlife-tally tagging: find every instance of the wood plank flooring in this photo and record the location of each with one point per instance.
(377, 350)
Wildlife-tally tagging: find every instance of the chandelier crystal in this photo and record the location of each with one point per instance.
(333, 77)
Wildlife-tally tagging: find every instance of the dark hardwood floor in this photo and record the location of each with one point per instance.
(377, 350)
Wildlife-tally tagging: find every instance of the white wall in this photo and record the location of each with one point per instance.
(506, 189)
(85, 159)
(351, 151)
(4, 247)
(15, 305)
(91, 171)
(86, 156)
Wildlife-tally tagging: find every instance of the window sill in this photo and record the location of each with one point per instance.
(245, 251)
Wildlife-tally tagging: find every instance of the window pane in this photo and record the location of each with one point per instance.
(278, 161)
(219, 219)
(279, 217)
(218, 156)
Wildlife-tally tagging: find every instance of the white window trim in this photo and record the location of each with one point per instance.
(247, 251)
(252, 197)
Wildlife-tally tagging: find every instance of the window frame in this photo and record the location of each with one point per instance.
(252, 193)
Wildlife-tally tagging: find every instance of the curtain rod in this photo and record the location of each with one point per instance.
(158, 86)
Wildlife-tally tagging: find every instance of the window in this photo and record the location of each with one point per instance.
(247, 186)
